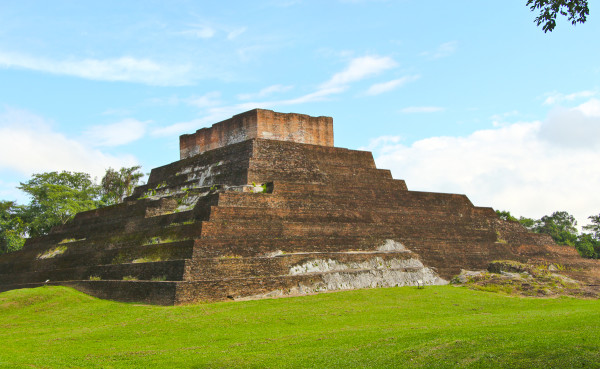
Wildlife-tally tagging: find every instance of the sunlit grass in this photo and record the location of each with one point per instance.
(53, 327)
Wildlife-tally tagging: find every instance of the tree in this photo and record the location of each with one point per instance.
(56, 198)
(505, 215)
(576, 11)
(560, 226)
(594, 227)
(528, 223)
(12, 228)
(588, 246)
(115, 186)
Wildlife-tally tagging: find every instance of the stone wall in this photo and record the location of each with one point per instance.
(259, 123)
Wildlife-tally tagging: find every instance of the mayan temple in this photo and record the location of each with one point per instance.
(262, 205)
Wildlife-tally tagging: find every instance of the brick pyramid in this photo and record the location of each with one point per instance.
(263, 205)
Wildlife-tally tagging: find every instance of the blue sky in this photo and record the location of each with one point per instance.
(452, 96)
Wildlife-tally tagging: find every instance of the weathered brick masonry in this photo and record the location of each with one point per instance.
(259, 123)
(263, 205)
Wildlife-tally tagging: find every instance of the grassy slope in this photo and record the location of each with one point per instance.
(54, 327)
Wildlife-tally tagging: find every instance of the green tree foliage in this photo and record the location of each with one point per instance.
(56, 198)
(575, 10)
(594, 227)
(588, 246)
(525, 222)
(12, 228)
(505, 215)
(116, 185)
(528, 223)
(560, 226)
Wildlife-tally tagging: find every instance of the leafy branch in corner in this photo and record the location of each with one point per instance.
(575, 10)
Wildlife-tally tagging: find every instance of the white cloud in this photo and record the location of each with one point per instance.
(422, 109)
(267, 91)
(576, 127)
(214, 115)
(209, 99)
(360, 68)
(382, 143)
(115, 134)
(180, 128)
(199, 31)
(235, 33)
(444, 50)
(117, 112)
(284, 3)
(206, 100)
(556, 97)
(590, 108)
(514, 167)
(29, 145)
(500, 119)
(319, 95)
(380, 88)
(126, 69)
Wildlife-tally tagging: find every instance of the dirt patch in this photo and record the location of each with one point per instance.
(521, 279)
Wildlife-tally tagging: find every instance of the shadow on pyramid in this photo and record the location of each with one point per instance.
(263, 205)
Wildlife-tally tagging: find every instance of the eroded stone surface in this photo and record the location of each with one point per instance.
(391, 245)
(376, 263)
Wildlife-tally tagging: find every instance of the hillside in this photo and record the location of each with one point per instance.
(446, 326)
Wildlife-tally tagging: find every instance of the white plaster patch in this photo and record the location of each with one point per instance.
(329, 265)
(202, 175)
(185, 170)
(379, 278)
(333, 275)
(466, 275)
(272, 254)
(235, 137)
(348, 280)
(391, 245)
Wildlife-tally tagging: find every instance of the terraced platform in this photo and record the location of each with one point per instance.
(264, 218)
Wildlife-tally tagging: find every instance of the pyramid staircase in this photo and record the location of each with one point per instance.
(264, 218)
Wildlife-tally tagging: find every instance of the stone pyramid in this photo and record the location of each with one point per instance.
(263, 205)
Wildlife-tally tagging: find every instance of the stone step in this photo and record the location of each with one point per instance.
(351, 176)
(232, 266)
(261, 287)
(389, 186)
(232, 161)
(284, 229)
(260, 247)
(72, 232)
(335, 215)
(94, 255)
(171, 270)
(50, 253)
(149, 292)
(336, 200)
(136, 224)
(279, 152)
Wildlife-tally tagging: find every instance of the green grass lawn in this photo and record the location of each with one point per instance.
(56, 327)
